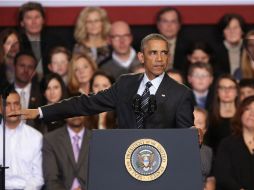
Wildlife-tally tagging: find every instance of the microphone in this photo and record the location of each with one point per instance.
(152, 104)
(136, 104)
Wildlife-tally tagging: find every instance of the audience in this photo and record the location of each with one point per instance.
(176, 75)
(168, 22)
(31, 19)
(65, 156)
(246, 87)
(23, 150)
(59, 59)
(228, 53)
(54, 90)
(234, 166)
(91, 33)
(246, 69)
(223, 108)
(29, 91)
(200, 77)
(123, 57)
(106, 120)
(81, 70)
(206, 154)
(9, 47)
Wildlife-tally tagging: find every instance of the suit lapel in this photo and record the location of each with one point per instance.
(161, 94)
(84, 148)
(132, 91)
(66, 141)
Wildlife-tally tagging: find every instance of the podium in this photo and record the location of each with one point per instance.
(107, 159)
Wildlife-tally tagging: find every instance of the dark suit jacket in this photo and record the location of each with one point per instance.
(59, 165)
(174, 101)
(222, 64)
(180, 61)
(47, 42)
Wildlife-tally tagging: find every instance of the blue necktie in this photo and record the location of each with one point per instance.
(144, 105)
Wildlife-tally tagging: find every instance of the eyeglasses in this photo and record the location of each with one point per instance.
(118, 37)
(201, 75)
(165, 21)
(93, 21)
(225, 88)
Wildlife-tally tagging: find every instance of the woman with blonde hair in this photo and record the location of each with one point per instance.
(246, 69)
(81, 70)
(92, 28)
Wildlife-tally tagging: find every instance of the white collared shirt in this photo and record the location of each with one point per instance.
(27, 90)
(23, 157)
(73, 134)
(155, 84)
(127, 63)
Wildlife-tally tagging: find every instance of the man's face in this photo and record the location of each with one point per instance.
(200, 80)
(24, 69)
(155, 57)
(12, 104)
(169, 25)
(32, 22)
(121, 39)
(75, 122)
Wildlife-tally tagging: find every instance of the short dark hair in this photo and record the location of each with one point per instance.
(101, 73)
(153, 36)
(168, 9)
(45, 81)
(27, 53)
(246, 83)
(30, 6)
(200, 65)
(59, 49)
(226, 19)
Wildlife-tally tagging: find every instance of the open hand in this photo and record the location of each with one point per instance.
(25, 113)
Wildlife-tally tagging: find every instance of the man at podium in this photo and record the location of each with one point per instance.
(149, 100)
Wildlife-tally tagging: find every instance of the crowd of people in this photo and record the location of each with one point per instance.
(40, 69)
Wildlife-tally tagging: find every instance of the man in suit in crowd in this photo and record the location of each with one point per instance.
(65, 156)
(171, 106)
(30, 96)
(168, 22)
(123, 57)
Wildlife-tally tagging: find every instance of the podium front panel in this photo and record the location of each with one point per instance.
(107, 169)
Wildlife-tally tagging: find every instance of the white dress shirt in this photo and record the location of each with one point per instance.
(27, 90)
(155, 84)
(23, 157)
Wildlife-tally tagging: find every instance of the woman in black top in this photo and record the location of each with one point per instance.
(234, 164)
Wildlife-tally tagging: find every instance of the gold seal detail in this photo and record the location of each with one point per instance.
(146, 159)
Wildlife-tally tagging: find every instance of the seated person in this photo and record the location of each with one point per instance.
(23, 155)
(65, 152)
(246, 88)
(176, 75)
(123, 57)
(234, 165)
(200, 122)
(200, 78)
(59, 60)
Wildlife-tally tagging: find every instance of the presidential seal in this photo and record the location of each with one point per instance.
(146, 159)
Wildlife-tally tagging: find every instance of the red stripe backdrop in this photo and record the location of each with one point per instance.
(66, 16)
